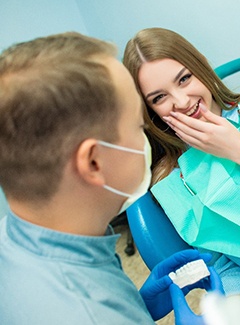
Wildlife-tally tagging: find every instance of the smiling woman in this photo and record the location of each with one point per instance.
(173, 78)
(187, 105)
(179, 90)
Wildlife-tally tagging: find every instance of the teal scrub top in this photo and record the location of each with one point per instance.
(53, 278)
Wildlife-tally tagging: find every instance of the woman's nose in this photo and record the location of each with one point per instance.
(181, 101)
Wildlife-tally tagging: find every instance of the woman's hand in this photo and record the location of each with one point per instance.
(216, 135)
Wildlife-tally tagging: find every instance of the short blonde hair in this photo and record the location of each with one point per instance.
(55, 92)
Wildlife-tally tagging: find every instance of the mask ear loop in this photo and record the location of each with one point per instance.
(152, 119)
(115, 146)
(113, 190)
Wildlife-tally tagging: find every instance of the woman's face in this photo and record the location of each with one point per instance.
(168, 86)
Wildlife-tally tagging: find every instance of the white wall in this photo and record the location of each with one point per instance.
(213, 26)
(22, 20)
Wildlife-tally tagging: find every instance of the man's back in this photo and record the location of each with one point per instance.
(50, 277)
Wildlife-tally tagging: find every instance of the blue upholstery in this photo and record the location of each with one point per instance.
(154, 235)
(228, 68)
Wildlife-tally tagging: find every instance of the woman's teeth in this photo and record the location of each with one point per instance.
(193, 110)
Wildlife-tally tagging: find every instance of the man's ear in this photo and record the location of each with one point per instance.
(89, 163)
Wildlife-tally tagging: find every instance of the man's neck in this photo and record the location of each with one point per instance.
(64, 216)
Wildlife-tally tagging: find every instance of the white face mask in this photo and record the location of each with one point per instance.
(143, 187)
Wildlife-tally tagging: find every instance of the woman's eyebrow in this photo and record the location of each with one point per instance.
(179, 74)
(153, 93)
(174, 80)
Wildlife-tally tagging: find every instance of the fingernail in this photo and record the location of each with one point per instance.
(167, 118)
(203, 107)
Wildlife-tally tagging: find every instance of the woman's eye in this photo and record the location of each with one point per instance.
(157, 98)
(185, 78)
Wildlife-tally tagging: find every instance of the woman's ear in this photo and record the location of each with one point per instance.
(89, 162)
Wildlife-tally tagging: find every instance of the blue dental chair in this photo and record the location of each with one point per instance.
(153, 233)
(228, 69)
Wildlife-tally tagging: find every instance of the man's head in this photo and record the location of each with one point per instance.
(54, 93)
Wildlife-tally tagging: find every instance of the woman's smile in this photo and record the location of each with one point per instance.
(195, 111)
(167, 86)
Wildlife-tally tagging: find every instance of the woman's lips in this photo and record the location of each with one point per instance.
(195, 112)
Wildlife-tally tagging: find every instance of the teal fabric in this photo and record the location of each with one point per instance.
(205, 209)
(218, 235)
(53, 278)
(228, 269)
(202, 199)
